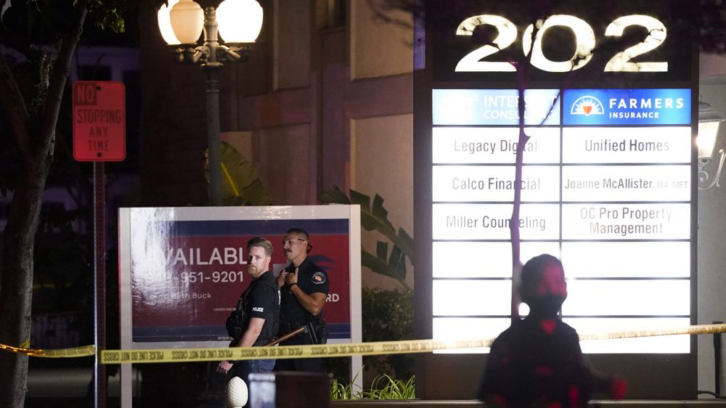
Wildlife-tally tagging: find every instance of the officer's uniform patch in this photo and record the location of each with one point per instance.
(318, 278)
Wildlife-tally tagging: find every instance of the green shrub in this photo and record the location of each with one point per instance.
(388, 316)
(386, 387)
(339, 390)
(383, 387)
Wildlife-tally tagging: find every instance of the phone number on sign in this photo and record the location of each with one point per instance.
(214, 277)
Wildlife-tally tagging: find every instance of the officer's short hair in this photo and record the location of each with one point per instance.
(299, 231)
(305, 235)
(532, 272)
(261, 243)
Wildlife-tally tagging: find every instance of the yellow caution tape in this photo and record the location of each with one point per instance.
(281, 352)
(697, 329)
(326, 350)
(352, 349)
(84, 351)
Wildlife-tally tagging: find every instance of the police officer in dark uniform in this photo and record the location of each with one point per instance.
(304, 287)
(261, 306)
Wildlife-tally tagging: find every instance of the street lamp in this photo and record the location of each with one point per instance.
(239, 22)
(708, 124)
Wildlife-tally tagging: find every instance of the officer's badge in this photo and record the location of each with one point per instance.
(319, 278)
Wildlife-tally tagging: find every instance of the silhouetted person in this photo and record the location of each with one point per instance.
(537, 362)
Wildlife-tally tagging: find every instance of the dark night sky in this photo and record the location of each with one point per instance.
(40, 22)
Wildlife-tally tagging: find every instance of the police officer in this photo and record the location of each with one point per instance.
(261, 305)
(304, 288)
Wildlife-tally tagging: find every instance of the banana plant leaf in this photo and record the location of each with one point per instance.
(372, 217)
(240, 183)
(393, 269)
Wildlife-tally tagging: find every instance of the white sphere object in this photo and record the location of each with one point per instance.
(236, 392)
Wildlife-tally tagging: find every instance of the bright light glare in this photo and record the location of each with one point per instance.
(626, 259)
(450, 328)
(239, 21)
(483, 259)
(628, 298)
(471, 298)
(641, 345)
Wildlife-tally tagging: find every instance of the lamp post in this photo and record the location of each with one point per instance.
(238, 22)
(708, 124)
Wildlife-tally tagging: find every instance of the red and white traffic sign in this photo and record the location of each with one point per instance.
(99, 121)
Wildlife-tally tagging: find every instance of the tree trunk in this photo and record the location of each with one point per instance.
(34, 136)
(16, 292)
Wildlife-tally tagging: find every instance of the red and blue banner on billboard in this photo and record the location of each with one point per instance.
(186, 275)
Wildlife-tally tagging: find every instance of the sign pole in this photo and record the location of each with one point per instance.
(99, 292)
(99, 135)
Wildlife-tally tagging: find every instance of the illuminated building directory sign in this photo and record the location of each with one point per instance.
(606, 187)
(608, 176)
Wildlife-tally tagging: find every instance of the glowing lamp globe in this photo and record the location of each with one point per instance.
(240, 21)
(236, 393)
(163, 17)
(187, 21)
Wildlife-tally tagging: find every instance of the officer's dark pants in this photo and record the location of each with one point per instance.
(245, 367)
(242, 369)
(300, 364)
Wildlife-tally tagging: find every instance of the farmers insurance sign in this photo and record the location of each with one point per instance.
(608, 180)
(627, 107)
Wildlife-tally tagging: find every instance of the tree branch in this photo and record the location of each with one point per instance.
(61, 70)
(13, 107)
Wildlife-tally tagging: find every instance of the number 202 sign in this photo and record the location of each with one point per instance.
(585, 44)
(639, 41)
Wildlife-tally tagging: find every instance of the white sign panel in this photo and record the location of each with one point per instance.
(452, 145)
(627, 259)
(451, 328)
(606, 186)
(639, 345)
(494, 107)
(626, 221)
(483, 259)
(626, 145)
(626, 183)
(490, 184)
(627, 298)
(471, 297)
(491, 221)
